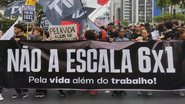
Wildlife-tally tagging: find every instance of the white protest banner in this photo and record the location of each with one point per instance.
(63, 33)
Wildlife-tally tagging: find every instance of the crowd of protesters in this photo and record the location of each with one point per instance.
(137, 33)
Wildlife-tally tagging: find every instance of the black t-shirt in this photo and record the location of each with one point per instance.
(170, 34)
(114, 34)
(135, 35)
(19, 37)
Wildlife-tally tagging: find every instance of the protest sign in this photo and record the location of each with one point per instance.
(28, 13)
(63, 33)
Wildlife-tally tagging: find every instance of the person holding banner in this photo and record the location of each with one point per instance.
(121, 37)
(1, 89)
(103, 34)
(18, 35)
(145, 37)
(37, 35)
(180, 36)
(136, 32)
(91, 35)
(1, 33)
(112, 33)
(18, 32)
(1, 97)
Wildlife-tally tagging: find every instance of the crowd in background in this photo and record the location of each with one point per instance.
(138, 33)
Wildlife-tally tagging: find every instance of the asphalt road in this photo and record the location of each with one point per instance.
(101, 98)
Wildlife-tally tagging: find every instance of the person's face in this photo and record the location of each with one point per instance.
(122, 33)
(1, 34)
(137, 28)
(17, 31)
(142, 27)
(183, 36)
(109, 27)
(36, 33)
(132, 27)
(144, 34)
(183, 27)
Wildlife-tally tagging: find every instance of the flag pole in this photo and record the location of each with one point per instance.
(86, 18)
(96, 12)
(27, 30)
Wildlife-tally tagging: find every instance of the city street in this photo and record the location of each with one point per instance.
(101, 98)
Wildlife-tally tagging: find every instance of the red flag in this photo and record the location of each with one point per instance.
(102, 2)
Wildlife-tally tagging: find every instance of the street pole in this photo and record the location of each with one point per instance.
(137, 11)
(174, 12)
(145, 10)
(132, 12)
(153, 6)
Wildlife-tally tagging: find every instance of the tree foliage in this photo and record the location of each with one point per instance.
(166, 3)
(124, 22)
(163, 3)
(5, 23)
(166, 17)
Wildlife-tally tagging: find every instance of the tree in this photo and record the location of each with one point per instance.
(124, 22)
(6, 23)
(163, 3)
(171, 3)
(182, 4)
(166, 17)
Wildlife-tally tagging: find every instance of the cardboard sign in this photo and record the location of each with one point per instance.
(63, 33)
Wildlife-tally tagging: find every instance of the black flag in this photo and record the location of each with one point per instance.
(57, 10)
(14, 9)
(81, 17)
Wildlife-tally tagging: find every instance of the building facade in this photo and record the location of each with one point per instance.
(126, 10)
(134, 11)
(115, 10)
